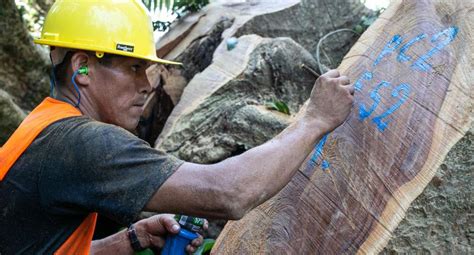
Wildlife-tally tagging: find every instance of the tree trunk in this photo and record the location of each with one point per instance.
(23, 66)
(414, 101)
(10, 114)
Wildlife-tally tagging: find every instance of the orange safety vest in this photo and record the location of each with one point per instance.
(49, 111)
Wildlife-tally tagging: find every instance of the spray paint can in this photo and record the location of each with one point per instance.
(176, 244)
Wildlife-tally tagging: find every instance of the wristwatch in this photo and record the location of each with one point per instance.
(132, 236)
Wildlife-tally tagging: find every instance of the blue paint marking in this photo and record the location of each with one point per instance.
(402, 91)
(395, 93)
(325, 165)
(402, 57)
(443, 38)
(366, 76)
(389, 48)
(319, 149)
(363, 111)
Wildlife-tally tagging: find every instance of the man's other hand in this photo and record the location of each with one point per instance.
(153, 231)
(331, 100)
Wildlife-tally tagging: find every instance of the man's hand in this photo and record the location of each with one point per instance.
(152, 232)
(331, 100)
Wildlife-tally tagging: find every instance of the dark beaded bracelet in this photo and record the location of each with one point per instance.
(132, 236)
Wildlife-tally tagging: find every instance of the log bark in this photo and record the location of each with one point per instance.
(440, 219)
(414, 102)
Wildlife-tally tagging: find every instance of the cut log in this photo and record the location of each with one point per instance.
(178, 31)
(414, 101)
(194, 39)
(226, 102)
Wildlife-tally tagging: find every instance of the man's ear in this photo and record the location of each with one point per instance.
(80, 62)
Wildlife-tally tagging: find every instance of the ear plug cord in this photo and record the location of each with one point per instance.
(84, 71)
(73, 79)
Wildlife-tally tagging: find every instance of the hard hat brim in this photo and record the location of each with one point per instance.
(97, 49)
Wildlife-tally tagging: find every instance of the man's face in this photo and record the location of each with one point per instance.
(119, 90)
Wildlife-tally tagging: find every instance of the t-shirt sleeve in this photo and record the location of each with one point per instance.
(102, 168)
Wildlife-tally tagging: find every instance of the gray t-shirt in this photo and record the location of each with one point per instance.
(74, 167)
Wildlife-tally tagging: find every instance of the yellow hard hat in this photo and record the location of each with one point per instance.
(121, 27)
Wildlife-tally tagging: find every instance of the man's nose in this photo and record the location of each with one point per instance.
(144, 86)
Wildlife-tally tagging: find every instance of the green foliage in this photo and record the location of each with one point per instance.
(278, 106)
(182, 7)
(155, 4)
(177, 7)
(161, 25)
(32, 16)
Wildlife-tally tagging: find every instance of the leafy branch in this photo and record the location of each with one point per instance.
(278, 106)
(177, 7)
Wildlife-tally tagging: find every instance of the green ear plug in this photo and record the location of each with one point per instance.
(83, 70)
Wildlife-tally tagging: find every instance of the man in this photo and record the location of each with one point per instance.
(72, 158)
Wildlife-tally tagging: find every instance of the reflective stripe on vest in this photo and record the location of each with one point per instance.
(49, 111)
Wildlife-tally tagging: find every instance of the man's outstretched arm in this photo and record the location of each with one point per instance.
(231, 188)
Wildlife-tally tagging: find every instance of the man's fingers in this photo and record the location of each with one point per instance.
(344, 80)
(190, 249)
(170, 224)
(332, 73)
(157, 242)
(350, 88)
(198, 241)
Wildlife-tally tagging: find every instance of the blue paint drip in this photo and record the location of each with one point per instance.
(390, 47)
(447, 35)
(319, 149)
(402, 57)
(366, 76)
(363, 111)
(231, 43)
(325, 165)
(395, 93)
